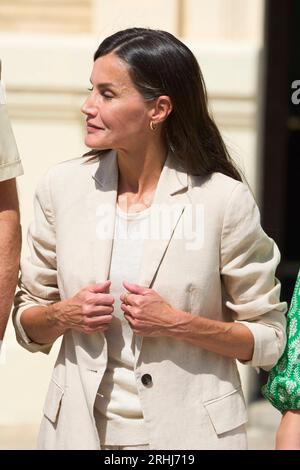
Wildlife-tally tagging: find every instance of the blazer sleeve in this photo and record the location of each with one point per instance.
(249, 259)
(38, 280)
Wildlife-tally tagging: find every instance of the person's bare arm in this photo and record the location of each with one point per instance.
(288, 434)
(10, 248)
(148, 314)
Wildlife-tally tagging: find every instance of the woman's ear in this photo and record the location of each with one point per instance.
(161, 110)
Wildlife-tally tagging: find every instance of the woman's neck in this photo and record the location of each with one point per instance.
(139, 172)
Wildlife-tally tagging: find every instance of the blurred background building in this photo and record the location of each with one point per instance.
(247, 50)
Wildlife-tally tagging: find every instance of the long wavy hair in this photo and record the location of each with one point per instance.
(160, 64)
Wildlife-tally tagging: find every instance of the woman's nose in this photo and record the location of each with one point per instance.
(88, 107)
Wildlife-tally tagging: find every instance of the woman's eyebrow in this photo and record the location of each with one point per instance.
(104, 84)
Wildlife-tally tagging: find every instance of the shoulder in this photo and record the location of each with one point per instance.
(75, 172)
(225, 199)
(67, 169)
(66, 181)
(219, 188)
(214, 181)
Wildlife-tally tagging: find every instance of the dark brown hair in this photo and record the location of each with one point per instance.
(160, 64)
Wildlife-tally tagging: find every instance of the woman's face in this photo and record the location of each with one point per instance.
(116, 114)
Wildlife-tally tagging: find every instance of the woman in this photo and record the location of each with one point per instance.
(283, 387)
(143, 255)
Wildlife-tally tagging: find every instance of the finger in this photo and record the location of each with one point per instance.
(133, 325)
(96, 322)
(127, 309)
(125, 298)
(103, 299)
(135, 288)
(129, 319)
(128, 312)
(100, 310)
(130, 299)
(99, 288)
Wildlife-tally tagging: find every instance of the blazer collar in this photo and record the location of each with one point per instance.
(170, 182)
(107, 171)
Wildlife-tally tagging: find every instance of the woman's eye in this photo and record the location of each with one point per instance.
(107, 95)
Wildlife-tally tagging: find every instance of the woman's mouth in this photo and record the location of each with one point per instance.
(92, 128)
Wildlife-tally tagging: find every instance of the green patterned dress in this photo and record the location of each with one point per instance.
(283, 386)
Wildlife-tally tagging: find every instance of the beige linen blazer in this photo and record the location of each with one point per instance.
(208, 255)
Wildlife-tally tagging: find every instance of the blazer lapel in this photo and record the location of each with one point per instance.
(165, 214)
(101, 206)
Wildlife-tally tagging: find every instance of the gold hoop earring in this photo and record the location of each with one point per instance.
(153, 126)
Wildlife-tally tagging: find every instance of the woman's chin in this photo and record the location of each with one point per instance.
(92, 143)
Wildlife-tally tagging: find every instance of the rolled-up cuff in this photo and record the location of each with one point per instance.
(11, 170)
(22, 337)
(267, 349)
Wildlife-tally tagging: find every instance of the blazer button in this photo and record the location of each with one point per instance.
(147, 380)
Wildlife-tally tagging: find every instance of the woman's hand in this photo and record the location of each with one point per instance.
(90, 310)
(147, 313)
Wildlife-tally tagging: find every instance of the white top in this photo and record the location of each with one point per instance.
(118, 411)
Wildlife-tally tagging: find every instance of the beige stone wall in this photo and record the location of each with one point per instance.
(213, 20)
(47, 16)
(110, 16)
(223, 20)
(46, 67)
